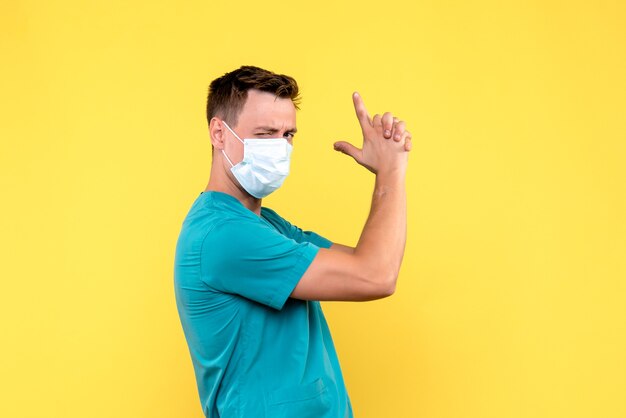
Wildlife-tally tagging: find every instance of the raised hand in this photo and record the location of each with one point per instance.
(386, 142)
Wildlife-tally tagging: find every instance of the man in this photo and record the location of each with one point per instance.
(248, 283)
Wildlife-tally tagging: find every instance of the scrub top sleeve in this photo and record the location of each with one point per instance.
(299, 268)
(253, 260)
(293, 232)
(316, 239)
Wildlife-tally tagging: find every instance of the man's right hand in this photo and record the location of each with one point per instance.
(385, 141)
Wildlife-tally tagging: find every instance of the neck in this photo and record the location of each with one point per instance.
(219, 181)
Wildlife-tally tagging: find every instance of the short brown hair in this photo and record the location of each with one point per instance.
(228, 94)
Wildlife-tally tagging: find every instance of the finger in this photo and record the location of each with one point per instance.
(407, 143)
(348, 149)
(361, 111)
(398, 130)
(387, 121)
(377, 120)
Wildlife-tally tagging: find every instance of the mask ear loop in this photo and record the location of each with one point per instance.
(228, 159)
(233, 132)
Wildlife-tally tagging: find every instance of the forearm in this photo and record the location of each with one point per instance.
(382, 242)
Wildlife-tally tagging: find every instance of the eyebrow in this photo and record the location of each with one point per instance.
(270, 129)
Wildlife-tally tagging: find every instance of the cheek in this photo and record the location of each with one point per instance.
(235, 152)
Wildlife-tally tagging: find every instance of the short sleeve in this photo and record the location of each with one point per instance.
(293, 231)
(251, 259)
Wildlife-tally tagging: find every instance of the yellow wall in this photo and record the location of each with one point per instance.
(512, 297)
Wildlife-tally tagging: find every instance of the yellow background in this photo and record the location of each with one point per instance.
(512, 296)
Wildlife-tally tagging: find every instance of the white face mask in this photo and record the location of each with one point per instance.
(265, 164)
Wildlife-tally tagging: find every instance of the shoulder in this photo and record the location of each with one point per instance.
(230, 228)
(275, 219)
(270, 213)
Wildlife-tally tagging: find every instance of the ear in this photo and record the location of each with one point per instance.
(216, 131)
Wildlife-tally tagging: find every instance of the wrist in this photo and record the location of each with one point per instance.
(392, 174)
(389, 181)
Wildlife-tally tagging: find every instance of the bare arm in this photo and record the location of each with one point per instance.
(343, 248)
(371, 270)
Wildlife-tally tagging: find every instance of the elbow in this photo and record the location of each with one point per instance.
(377, 281)
(386, 285)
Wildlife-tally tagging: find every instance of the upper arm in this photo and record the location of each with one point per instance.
(293, 231)
(344, 248)
(339, 275)
(253, 260)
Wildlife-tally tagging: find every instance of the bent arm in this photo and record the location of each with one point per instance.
(371, 270)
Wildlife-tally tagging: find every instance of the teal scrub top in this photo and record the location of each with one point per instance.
(255, 351)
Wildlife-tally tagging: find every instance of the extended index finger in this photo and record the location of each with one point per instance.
(361, 111)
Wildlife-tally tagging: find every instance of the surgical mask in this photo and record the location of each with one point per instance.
(265, 164)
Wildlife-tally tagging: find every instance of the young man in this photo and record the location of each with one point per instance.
(248, 283)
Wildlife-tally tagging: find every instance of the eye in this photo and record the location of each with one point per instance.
(289, 135)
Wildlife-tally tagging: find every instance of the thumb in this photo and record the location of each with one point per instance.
(348, 149)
